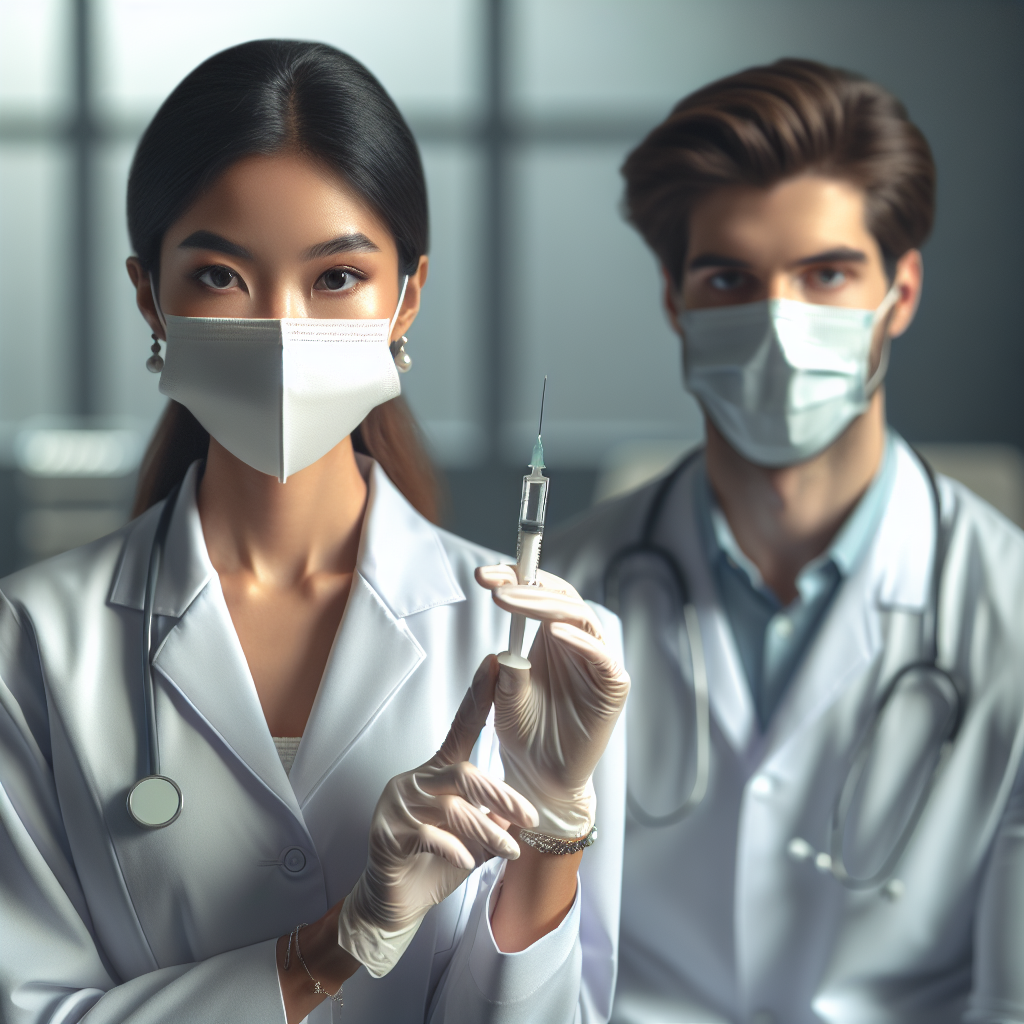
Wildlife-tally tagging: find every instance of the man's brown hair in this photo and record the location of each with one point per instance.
(769, 123)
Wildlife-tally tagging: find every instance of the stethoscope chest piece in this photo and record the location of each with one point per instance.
(154, 801)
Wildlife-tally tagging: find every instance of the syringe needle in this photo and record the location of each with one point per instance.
(544, 391)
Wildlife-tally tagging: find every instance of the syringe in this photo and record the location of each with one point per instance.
(531, 528)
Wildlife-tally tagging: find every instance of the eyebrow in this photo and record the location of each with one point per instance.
(841, 254)
(216, 243)
(355, 242)
(712, 259)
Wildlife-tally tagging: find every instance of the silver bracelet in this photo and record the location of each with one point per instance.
(317, 987)
(559, 847)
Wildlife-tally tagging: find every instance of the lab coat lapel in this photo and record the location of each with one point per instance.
(401, 570)
(728, 691)
(200, 656)
(893, 576)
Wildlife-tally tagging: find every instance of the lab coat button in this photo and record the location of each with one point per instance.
(761, 785)
(892, 890)
(294, 860)
(762, 1017)
(799, 849)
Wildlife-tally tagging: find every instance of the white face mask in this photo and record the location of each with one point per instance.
(279, 394)
(782, 379)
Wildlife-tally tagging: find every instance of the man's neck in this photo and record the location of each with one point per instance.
(783, 518)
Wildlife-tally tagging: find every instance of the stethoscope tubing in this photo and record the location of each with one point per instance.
(155, 801)
(956, 698)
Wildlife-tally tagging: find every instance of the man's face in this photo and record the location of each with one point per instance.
(804, 238)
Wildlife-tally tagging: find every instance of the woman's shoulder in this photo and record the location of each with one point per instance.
(73, 578)
(465, 556)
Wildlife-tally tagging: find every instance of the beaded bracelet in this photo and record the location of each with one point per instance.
(559, 847)
(317, 987)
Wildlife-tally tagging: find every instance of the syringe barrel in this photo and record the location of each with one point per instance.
(534, 505)
(531, 531)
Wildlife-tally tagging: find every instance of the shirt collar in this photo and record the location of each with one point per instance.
(847, 547)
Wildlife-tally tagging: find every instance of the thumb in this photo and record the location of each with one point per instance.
(514, 708)
(472, 714)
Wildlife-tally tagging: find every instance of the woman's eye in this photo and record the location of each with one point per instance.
(727, 280)
(827, 277)
(336, 280)
(218, 278)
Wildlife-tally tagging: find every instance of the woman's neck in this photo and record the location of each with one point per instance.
(282, 533)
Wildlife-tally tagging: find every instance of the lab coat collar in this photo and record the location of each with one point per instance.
(411, 576)
(893, 576)
(728, 693)
(400, 554)
(186, 567)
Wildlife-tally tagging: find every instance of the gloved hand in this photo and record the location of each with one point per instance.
(428, 833)
(555, 713)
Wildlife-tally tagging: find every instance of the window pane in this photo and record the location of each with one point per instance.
(35, 321)
(121, 335)
(424, 54)
(587, 299)
(442, 386)
(35, 50)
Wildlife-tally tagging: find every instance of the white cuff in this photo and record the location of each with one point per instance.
(510, 977)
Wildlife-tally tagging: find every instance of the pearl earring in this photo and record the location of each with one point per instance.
(403, 361)
(155, 362)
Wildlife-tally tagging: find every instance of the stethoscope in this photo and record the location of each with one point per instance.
(924, 669)
(155, 800)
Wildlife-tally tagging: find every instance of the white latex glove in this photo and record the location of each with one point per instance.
(555, 713)
(430, 829)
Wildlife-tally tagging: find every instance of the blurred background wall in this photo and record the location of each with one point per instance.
(524, 110)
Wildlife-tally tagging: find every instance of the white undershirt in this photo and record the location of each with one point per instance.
(287, 747)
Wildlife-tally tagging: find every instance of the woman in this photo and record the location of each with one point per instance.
(310, 633)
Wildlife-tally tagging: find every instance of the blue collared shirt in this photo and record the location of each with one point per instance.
(772, 639)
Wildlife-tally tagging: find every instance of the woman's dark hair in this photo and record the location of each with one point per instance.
(768, 123)
(265, 97)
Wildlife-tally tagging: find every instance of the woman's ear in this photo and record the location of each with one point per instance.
(144, 295)
(411, 303)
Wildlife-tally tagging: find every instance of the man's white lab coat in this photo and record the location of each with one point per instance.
(101, 920)
(719, 921)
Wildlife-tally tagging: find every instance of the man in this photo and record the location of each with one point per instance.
(841, 837)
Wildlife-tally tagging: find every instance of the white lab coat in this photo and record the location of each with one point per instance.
(719, 922)
(103, 921)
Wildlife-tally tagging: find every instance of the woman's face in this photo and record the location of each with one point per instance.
(280, 237)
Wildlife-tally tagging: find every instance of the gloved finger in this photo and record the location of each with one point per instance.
(593, 651)
(480, 789)
(549, 581)
(431, 839)
(548, 606)
(502, 823)
(474, 828)
(472, 714)
(491, 576)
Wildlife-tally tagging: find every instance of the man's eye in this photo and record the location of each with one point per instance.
(727, 280)
(219, 278)
(336, 280)
(828, 277)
